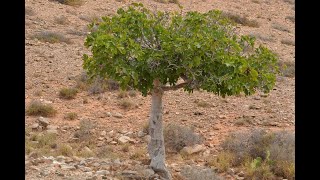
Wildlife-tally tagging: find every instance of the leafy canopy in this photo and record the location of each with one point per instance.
(137, 46)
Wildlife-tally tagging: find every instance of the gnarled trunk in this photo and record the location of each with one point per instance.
(156, 147)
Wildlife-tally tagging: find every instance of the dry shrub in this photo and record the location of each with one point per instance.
(199, 173)
(241, 20)
(51, 37)
(68, 93)
(177, 137)
(37, 108)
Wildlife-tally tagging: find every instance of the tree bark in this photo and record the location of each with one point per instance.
(156, 147)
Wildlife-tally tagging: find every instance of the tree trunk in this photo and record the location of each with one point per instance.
(156, 147)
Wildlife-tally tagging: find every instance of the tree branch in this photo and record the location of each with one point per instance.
(175, 87)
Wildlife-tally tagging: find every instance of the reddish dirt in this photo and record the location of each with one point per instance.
(50, 67)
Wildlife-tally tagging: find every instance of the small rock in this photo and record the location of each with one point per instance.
(193, 149)
(125, 139)
(230, 171)
(206, 153)
(26, 163)
(111, 133)
(141, 134)
(59, 158)
(102, 172)
(35, 126)
(103, 133)
(241, 174)
(118, 115)
(109, 139)
(100, 138)
(147, 139)
(215, 128)
(43, 121)
(239, 178)
(68, 160)
(222, 117)
(129, 172)
(52, 127)
(53, 131)
(96, 164)
(33, 155)
(147, 172)
(113, 142)
(108, 114)
(34, 168)
(65, 127)
(76, 158)
(44, 173)
(83, 163)
(256, 98)
(86, 169)
(100, 144)
(67, 167)
(89, 173)
(117, 161)
(123, 131)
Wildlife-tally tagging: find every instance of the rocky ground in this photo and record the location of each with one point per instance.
(52, 66)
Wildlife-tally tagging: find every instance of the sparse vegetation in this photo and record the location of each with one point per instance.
(291, 18)
(287, 68)
(126, 104)
(51, 37)
(252, 144)
(168, 1)
(177, 137)
(97, 85)
(61, 20)
(262, 155)
(46, 139)
(223, 161)
(106, 152)
(90, 18)
(29, 11)
(40, 143)
(280, 27)
(37, 108)
(122, 94)
(71, 116)
(262, 37)
(290, 1)
(145, 128)
(289, 42)
(65, 150)
(138, 154)
(256, 169)
(200, 173)
(132, 93)
(241, 20)
(70, 2)
(202, 103)
(76, 32)
(125, 148)
(68, 93)
(256, 1)
(84, 133)
(243, 121)
(85, 153)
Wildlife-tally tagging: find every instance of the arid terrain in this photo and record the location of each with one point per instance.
(117, 132)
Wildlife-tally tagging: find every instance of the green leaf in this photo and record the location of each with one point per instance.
(136, 46)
